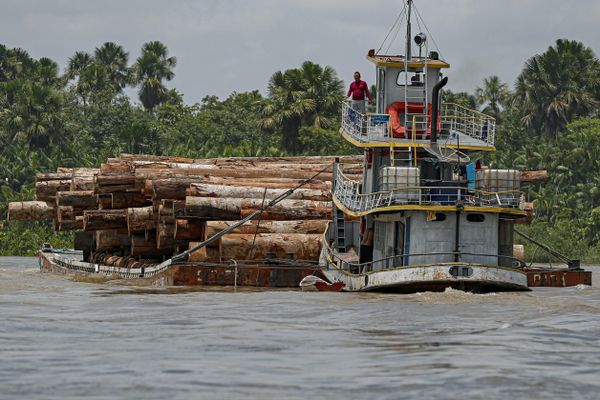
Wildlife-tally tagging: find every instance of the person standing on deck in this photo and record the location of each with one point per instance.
(357, 90)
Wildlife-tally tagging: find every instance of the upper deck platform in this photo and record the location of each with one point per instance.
(383, 60)
(460, 128)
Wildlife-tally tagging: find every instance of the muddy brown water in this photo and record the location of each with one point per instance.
(65, 339)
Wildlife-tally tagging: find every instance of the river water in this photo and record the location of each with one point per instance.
(65, 339)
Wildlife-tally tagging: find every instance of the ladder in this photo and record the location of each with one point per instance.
(339, 222)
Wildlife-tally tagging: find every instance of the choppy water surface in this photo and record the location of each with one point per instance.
(64, 339)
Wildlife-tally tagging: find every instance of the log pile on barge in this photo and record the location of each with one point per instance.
(144, 209)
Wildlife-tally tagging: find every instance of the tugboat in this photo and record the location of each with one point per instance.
(431, 216)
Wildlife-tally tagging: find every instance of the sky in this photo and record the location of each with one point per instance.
(223, 46)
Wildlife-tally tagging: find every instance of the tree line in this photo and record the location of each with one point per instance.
(80, 117)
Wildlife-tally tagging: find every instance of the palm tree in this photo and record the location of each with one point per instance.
(322, 86)
(76, 64)
(114, 59)
(151, 68)
(493, 93)
(309, 95)
(557, 86)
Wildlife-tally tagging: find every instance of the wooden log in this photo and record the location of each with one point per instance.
(291, 159)
(83, 199)
(529, 209)
(534, 176)
(69, 225)
(140, 247)
(165, 233)
(176, 187)
(53, 176)
(115, 180)
(250, 227)
(65, 213)
(270, 183)
(519, 252)
(151, 170)
(116, 167)
(140, 218)
(221, 191)
(210, 253)
(106, 183)
(134, 198)
(236, 209)
(111, 239)
(83, 178)
(30, 211)
(95, 220)
(46, 190)
(148, 157)
(190, 229)
(271, 245)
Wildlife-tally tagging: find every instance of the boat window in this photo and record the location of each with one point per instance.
(410, 79)
(439, 217)
(475, 217)
(402, 79)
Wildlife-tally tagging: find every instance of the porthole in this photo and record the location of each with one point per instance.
(475, 217)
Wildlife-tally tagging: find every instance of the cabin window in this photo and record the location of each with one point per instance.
(439, 217)
(402, 79)
(410, 79)
(475, 217)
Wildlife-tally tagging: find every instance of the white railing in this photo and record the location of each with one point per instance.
(475, 124)
(432, 193)
(454, 118)
(364, 127)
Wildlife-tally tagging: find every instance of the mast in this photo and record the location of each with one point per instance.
(408, 31)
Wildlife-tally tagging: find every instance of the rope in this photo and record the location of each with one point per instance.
(399, 27)
(397, 23)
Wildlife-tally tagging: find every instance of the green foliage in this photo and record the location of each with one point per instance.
(305, 96)
(26, 238)
(151, 68)
(318, 141)
(461, 98)
(558, 85)
(494, 94)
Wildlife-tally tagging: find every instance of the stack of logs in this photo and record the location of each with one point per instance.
(152, 207)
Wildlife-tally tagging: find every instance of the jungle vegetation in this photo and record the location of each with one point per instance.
(549, 120)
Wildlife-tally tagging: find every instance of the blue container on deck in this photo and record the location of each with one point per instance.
(443, 192)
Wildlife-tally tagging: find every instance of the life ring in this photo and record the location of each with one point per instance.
(399, 107)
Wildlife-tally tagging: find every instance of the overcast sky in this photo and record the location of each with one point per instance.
(235, 45)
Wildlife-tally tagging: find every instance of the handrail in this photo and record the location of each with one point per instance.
(368, 266)
(373, 127)
(347, 191)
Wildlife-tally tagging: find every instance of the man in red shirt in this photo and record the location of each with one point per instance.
(358, 89)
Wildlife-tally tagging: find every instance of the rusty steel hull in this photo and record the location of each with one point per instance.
(430, 278)
(558, 278)
(187, 274)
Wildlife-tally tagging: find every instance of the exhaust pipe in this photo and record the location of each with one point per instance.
(435, 100)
